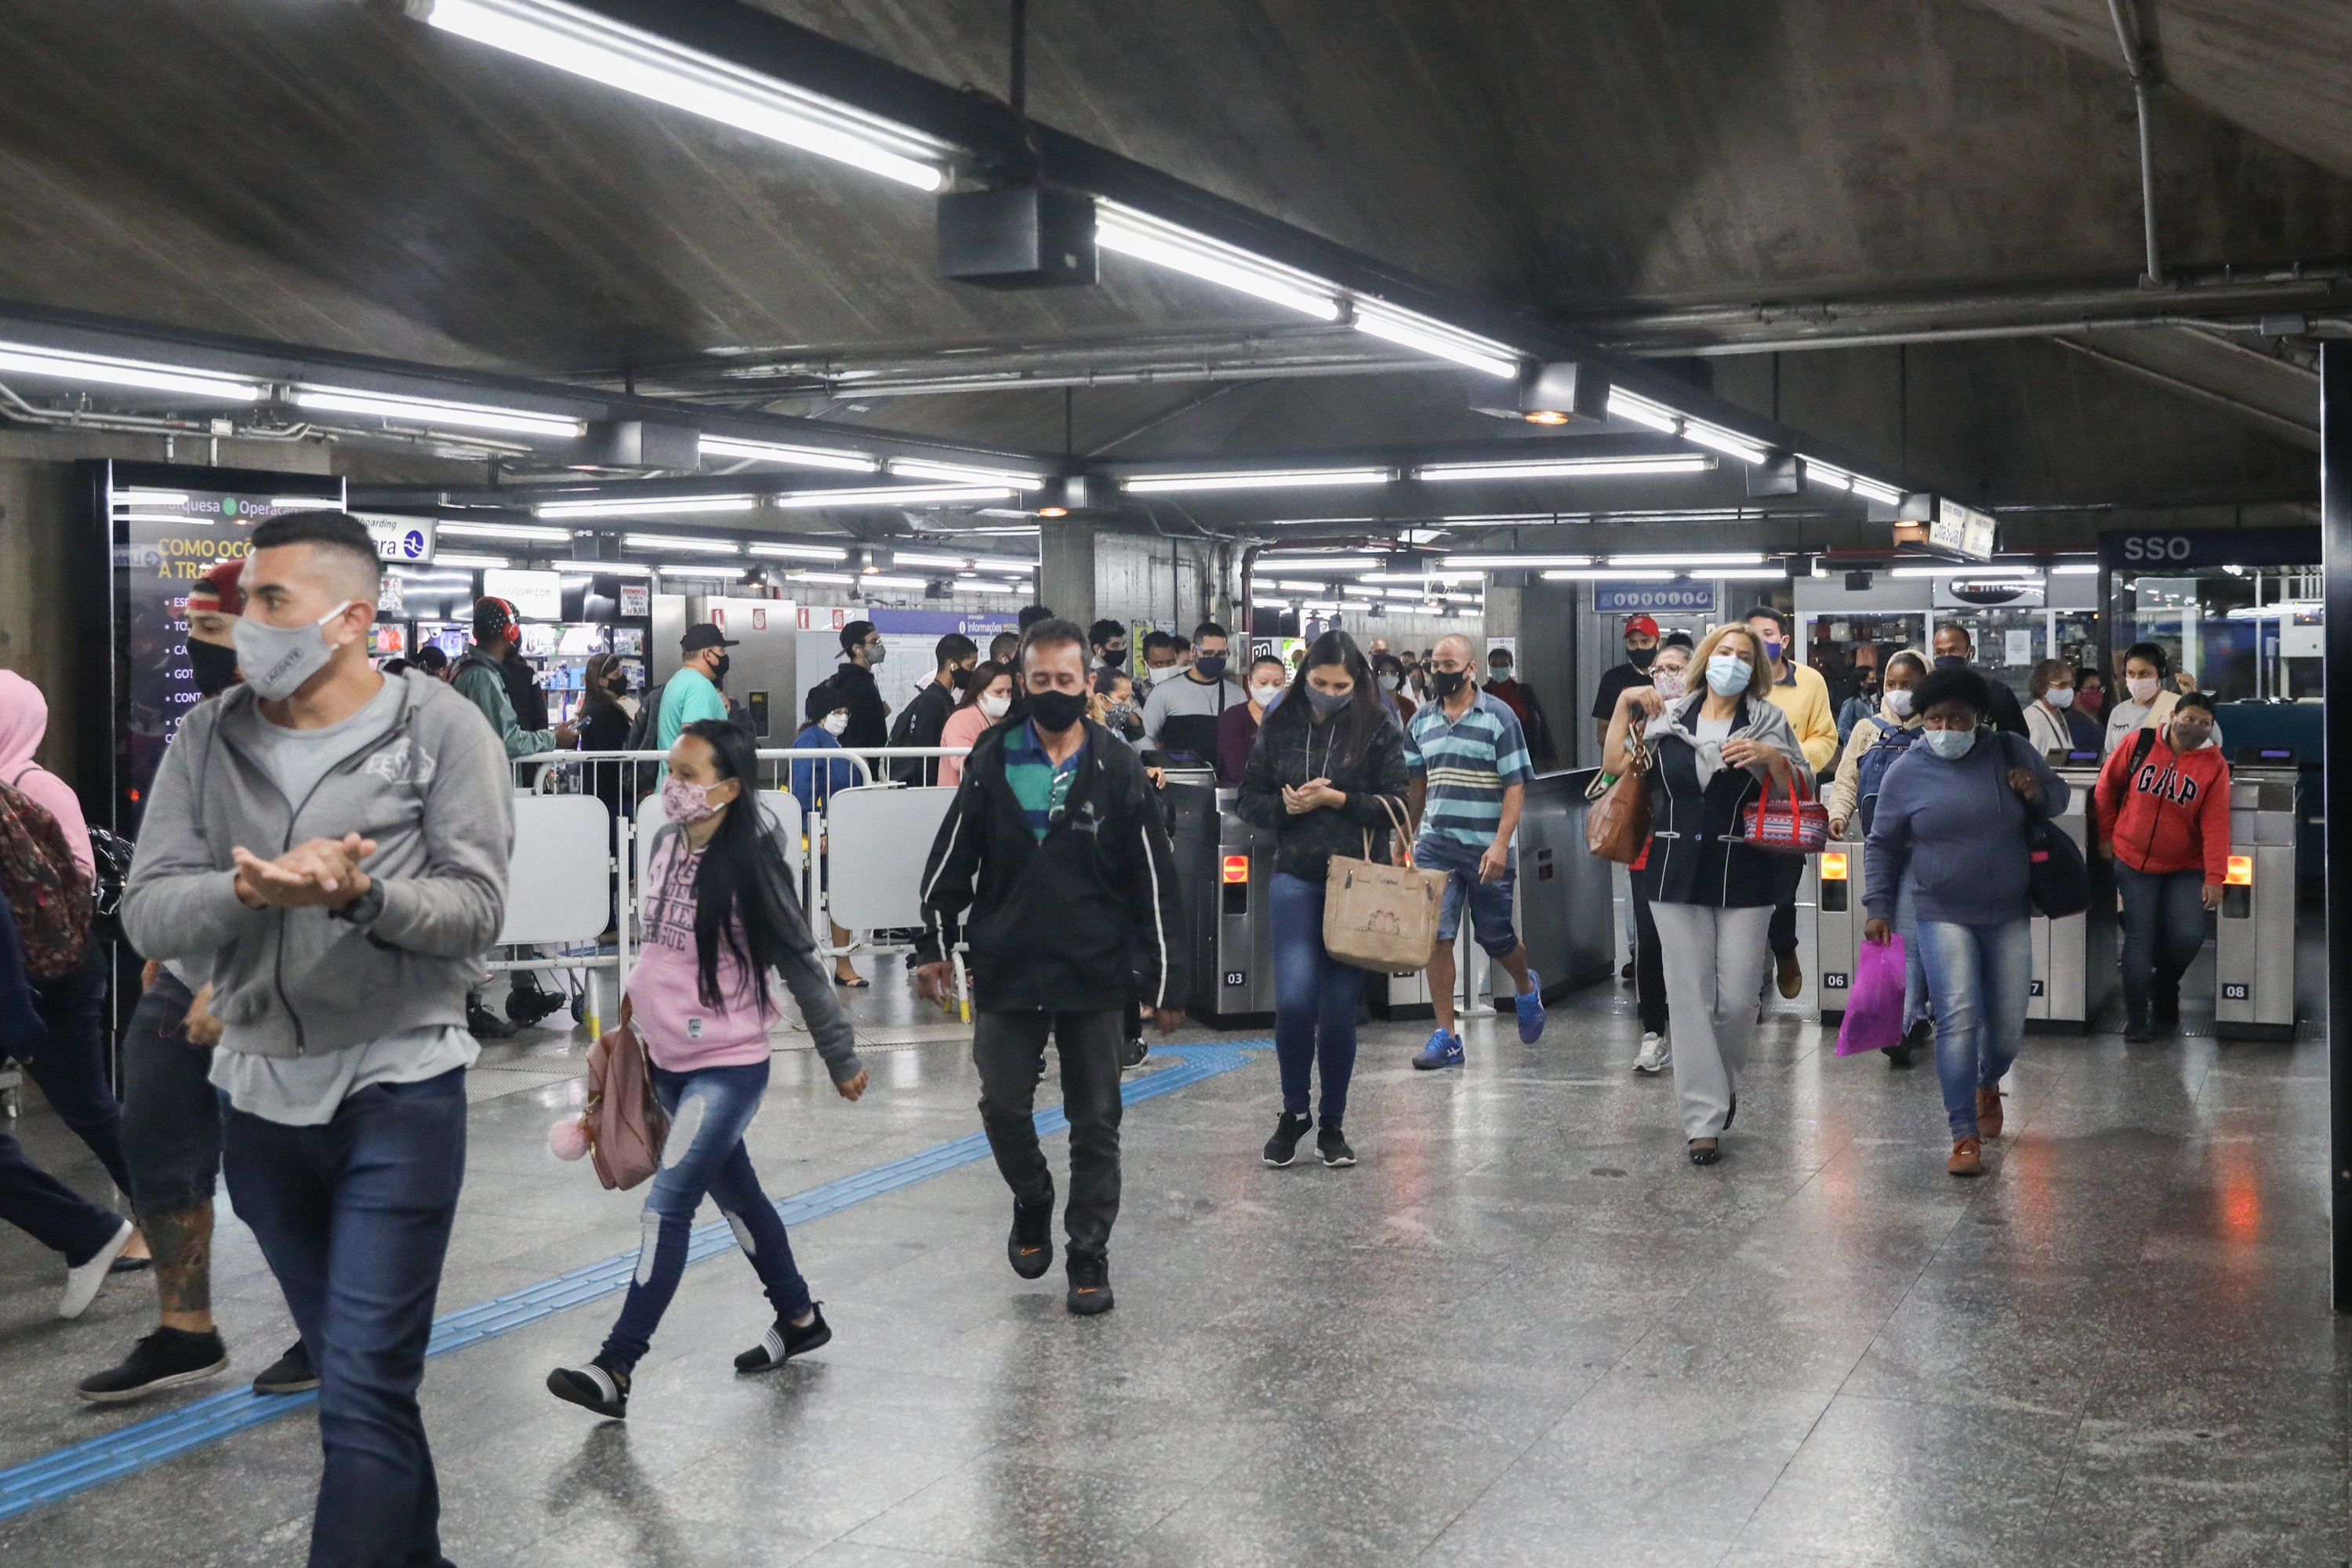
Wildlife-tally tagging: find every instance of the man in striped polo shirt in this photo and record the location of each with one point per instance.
(1468, 761)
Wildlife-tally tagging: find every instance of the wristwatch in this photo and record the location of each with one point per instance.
(363, 909)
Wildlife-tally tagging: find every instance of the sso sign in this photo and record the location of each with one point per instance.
(1650, 598)
(2187, 548)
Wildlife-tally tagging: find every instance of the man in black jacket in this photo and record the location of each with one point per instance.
(926, 714)
(1051, 864)
(869, 716)
(1955, 649)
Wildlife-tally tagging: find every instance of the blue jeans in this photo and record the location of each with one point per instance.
(1980, 981)
(1490, 902)
(353, 1217)
(1314, 1002)
(2164, 925)
(708, 1113)
(70, 1066)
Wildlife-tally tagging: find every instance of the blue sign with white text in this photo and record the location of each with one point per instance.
(1627, 598)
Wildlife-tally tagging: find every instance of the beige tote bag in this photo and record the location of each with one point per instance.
(1381, 918)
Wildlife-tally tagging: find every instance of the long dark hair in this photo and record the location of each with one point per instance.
(1350, 729)
(983, 673)
(595, 697)
(740, 895)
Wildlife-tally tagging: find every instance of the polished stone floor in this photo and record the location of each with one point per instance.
(1523, 1331)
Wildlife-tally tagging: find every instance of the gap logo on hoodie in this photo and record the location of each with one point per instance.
(2168, 784)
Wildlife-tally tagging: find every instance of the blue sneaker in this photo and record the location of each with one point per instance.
(1531, 1010)
(1443, 1050)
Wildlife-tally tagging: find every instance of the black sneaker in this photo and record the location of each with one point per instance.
(1132, 1053)
(597, 1386)
(1897, 1055)
(485, 1024)
(1089, 1284)
(785, 1340)
(1030, 1246)
(2136, 1031)
(1333, 1148)
(1282, 1147)
(168, 1358)
(290, 1373)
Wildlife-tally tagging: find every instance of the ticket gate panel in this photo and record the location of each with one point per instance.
(1838, 916)
(1809, 954)
(1225, 868)
(2074, 958)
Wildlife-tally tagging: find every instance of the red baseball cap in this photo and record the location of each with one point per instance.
(220, 589)
(1642, 624)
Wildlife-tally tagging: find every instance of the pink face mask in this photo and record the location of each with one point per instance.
(687, 802)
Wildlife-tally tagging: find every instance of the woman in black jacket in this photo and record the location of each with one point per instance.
(1326, 776)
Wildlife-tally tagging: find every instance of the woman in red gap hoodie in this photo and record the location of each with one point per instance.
(2164, 816)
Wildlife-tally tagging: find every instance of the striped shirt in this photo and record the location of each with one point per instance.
(1036, 780)
(1468, 763)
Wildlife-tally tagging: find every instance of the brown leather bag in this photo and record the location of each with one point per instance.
(626, 1125)
(1381, 918)
(1617, 822)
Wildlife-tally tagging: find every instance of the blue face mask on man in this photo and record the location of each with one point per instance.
(1950, 745)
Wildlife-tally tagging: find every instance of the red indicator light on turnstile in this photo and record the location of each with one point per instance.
(1833, 865)
(2242, 871)
(1236, 868)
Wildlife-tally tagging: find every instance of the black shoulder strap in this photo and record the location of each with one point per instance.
(2141, 746)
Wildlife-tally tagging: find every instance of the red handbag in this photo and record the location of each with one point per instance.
(1795, 826)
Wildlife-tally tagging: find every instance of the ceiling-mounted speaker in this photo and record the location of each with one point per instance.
(641, 444)
(1019, 238)
(1556, 392)
(1781, 474)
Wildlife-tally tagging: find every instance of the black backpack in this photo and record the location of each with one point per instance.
(2057, 881)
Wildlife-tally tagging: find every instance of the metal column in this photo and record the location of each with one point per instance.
(2335, 553)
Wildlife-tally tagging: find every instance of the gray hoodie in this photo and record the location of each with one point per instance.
(434, 794)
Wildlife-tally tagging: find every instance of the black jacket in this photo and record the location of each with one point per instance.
(1695, 854)
(869, 716)
(1287, 755)
(523, 691)
(1054, 926)
(919, 724)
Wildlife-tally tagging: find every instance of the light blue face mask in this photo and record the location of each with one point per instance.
(1949, 744)
(1728, 674)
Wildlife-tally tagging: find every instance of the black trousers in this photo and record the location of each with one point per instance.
(1792, 876)
(1649, 970)
(1009, 1049)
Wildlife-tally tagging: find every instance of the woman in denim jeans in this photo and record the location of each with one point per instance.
(1326, 776)
(1952, 831)
(718, 915)
(2163, 814)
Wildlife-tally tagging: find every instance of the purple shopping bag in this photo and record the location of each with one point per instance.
(1873, 1007)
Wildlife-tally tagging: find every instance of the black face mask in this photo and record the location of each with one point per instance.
(1055, 711)
(1640, 657)
(1446, 682)
(1211, 665)
(719, 671)
(215, 667)
(618, 686)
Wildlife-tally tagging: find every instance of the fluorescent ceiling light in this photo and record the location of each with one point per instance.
(1422, 577)
(135, 497)
(433, 412)
(2075, 569)
(1634, 408)
(918, 558)
(1609, 574)
(2020, 573)
(786, 454)
(992, 587)
(1126, 232)
(893, 495)
(964, 473)
(1462, 598)
(602, 568)
(1566, 467)
(1275, 562)
(1414, 331)
(1492, 563)
(800, 552)
(645, 506)
(1303, 588)
(1729, 442)
(1742, 573)
(884, 580)
(1837, 478)
(505, 531)
(585, 43)
(841, 577)
(1247, 479)
(1691, 562)
(677, 569)
(1269, 604)
(447, 558)
(104, 370)
(178, 519)
(672, 542)
(306, 503)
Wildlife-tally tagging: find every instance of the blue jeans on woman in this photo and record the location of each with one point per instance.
(1314, 1003)
(1981, 981)
(709, 1109)
(2164, 925)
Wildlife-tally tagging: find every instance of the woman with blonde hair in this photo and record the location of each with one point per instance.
(1710, 893)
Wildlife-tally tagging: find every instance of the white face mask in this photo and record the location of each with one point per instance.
(1728, 674)
(1899, 702)
(835, 722)
(2059, 697)
(2141, 687)
(1391, 682)
(994, 707)
(1264, 695)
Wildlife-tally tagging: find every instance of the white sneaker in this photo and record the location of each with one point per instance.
(1655, 1055)
(82, 1283)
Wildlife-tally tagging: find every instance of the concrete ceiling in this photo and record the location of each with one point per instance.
(311, 171)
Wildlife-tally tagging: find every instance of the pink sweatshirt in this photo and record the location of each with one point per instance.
(24, 720)
(679, 1032)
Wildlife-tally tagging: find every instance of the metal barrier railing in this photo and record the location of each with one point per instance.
(625, 780)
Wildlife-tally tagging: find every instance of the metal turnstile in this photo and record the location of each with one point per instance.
(1838, 915)
(2253, 948)
(1225, 869)
(1564, 907)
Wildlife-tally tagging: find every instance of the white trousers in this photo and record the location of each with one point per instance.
(1714, 962)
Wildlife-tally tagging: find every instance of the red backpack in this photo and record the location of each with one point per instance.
(50, 900)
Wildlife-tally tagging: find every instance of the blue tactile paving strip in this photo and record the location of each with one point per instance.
(80, 1466)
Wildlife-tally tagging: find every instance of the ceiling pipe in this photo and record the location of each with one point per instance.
(2138, 61)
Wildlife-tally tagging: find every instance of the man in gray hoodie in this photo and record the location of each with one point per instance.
(338, 964)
